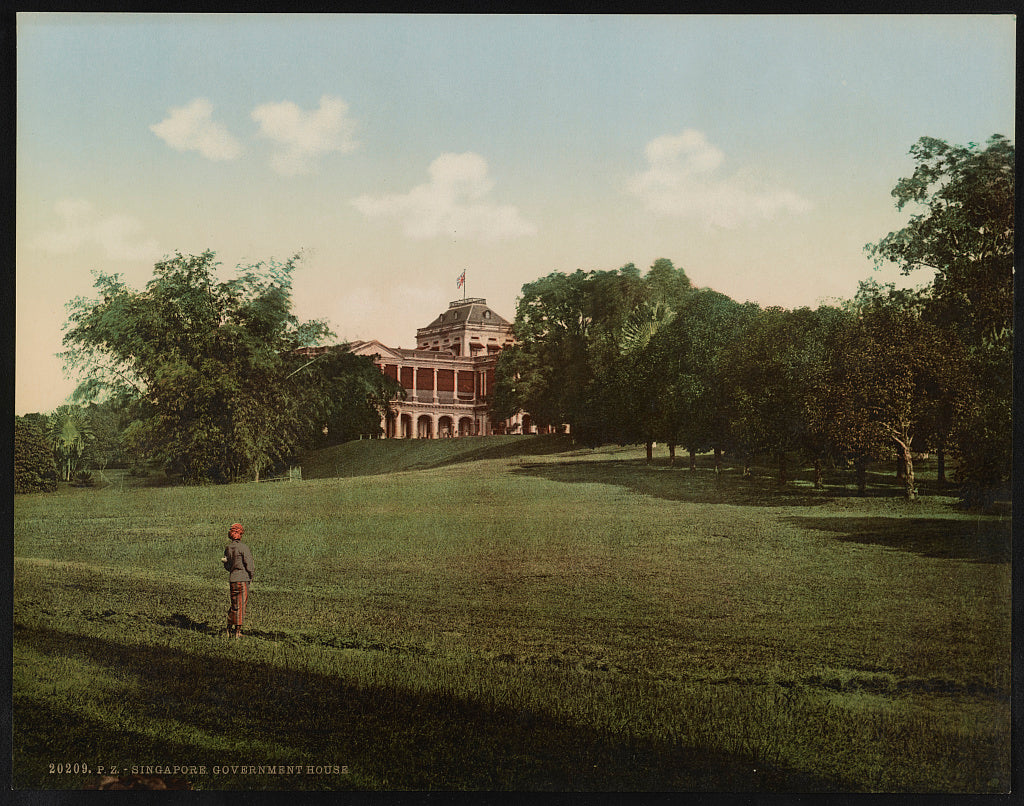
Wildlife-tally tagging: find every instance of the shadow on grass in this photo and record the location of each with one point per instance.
(183, 622)
(982, 540)
(702, 486)
(705, 486)
(379, 457)
(543, 445)
(389, 738)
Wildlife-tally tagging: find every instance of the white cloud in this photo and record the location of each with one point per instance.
(452, 203)
(191, 128)
(303, 136)
(682, 181)
(118, 236)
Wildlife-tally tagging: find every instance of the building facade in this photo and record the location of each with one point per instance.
(449, 377)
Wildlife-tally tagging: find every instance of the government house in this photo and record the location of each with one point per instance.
(449, 377)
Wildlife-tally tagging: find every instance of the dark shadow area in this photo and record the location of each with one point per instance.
(183, 622)
(701, 486)
(545, 445)
(982, 540)
(380, 457)
(393, 738)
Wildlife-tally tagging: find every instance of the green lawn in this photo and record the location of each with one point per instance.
(515, 613)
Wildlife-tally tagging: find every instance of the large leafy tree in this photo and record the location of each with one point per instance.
(582, 351)
(963, 230)
(220, 388)
(567, 329)
(349, 395)
(892, 370)
(694, 348)
(774, 370)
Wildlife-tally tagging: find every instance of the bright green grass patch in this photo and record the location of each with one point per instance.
(563, 621)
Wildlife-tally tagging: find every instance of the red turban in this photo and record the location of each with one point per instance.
(235, 531)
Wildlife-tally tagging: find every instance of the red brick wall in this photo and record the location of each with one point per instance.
(424, 379)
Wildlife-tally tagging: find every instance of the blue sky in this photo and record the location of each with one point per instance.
(758, 153)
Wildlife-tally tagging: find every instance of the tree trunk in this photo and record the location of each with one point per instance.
(718, 460)
(693, 459)
(746, 466)
(861, 466)
(817, 474)
(906, 466)
(650, 450)
(671, 454)
(910, 491)
(782, 468)
(940, 458)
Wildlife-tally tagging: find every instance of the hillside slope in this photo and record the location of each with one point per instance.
(371, 457)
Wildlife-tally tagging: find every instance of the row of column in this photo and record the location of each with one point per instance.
(479, 385)
(410, 425)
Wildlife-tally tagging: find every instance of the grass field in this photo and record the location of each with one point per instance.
(493, 614)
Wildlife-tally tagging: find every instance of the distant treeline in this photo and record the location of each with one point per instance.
(626, 358)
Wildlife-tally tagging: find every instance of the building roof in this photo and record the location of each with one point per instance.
(371, 348)
(473, 311)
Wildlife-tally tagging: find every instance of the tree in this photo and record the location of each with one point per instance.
(34, 470)
(889, 374)
(354, 393)
(667, 285)
(567, 331)
(964, 231)
(624, 401)
(694, 347)
(70, 436)
(220, 388)
(107, 420)
(769, 370)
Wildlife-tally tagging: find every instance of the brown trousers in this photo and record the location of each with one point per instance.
(239, 598)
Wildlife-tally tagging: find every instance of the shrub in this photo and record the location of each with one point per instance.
(84, 478)
(34, 470)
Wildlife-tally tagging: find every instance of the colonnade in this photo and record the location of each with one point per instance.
(418, 393)
(415, 423)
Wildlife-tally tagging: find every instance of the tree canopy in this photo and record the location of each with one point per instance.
(220, 387)
(963, 229)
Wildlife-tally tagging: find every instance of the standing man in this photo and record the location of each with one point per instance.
(238, 563)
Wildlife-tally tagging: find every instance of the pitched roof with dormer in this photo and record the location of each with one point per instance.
(468, 312)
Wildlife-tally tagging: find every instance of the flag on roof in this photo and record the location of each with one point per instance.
(461, 281)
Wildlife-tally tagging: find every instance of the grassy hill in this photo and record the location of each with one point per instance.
(371, 457)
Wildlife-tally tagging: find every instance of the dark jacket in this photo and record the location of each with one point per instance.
(238, 562)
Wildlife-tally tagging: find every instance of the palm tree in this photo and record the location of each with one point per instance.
(644, 321)
(70, 434)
